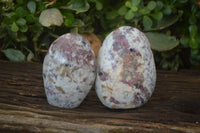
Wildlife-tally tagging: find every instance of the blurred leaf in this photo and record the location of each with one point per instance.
(89, 29)
(30, 56)
(193, 29)
(74, 30)
(193, 44)
(51, 17)
(192, 19)
(135, 2)
(164, 22)
(197, 14)
(21, 38)
(129, 15)
(2, 35)
(24, 28)
(144, 11)
(21, 21)
(8, 20)
(31, 6)
(165, 65)
(161, 42)
(99, 5)
(21, 12)
(30, 18)
(14, 27)
(35, 28)
(197, 37)
(167, 10)
(122, 11)
(20, 1)
(12, 34)
(147, 22)
(77, 23)
(69, 18)
(194, 52)
(14, 55)
(151, 5)
(184, 41)
(111, 15)
(134, 8)
(159, 5)
(78, 5)
(128, 4)
(157, 15)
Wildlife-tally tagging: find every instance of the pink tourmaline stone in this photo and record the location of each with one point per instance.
(126, 73)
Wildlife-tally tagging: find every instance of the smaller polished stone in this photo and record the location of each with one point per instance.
(68, 70)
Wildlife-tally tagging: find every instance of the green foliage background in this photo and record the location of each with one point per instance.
(167, 23)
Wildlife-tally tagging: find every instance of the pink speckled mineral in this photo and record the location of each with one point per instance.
(126, 73)
(68, 71)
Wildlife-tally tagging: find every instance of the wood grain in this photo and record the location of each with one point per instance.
(174, 106)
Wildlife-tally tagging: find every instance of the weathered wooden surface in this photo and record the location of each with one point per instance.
(174, 106)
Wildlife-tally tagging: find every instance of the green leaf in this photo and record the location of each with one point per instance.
(193, 29)
(78, 5)
(157, 15)
(14, 55)
(12, 34)
(31, 5)
(194, 52)
(24, 28)
(21, 38)
(161, 42)
(129, 15)
(165, 65)
(165, 22)
(36, 28)
(193, 44)
(184, 41)
(20, 12)
(69, 18)
(135, 2)
(122, 11)
(19, 1)
(197, 14)
(51, 17)
(2, 35)
(21, 21)
(134, 8)
(159, 5)
(144, 11)
(77, 23)
(128, 4)
(147, 22)
(74, 30)
(30, 18)
(111, 15)
(30, 56)
(14, 27)
(167, 10)
(197, 37)
(88, 29)
(192, 19)
(7, 21)
(99, 5)
(151, 5)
